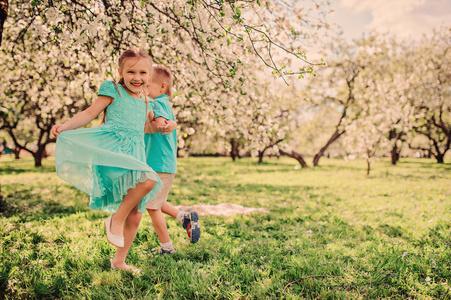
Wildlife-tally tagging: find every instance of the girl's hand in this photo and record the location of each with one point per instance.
(57, 129)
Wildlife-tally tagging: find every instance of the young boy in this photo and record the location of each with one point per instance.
(161, 153)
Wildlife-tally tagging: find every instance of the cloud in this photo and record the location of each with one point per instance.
(403, 18)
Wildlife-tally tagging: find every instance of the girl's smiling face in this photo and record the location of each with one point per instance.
(136, 73)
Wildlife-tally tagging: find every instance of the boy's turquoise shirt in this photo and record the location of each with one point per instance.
(161, 150)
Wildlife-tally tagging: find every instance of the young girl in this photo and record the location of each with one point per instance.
(109, 162)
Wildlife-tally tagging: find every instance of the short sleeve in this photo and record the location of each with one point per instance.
(108, 88)
(161, 109)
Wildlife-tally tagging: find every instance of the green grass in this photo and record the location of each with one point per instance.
(388, 234)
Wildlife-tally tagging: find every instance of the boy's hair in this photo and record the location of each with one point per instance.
(162, 73)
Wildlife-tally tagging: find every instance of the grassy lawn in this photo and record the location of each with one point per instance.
(386, 236)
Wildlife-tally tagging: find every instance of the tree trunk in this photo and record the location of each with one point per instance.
(440, 155)
(261, 153)
(2, 202)
(320, 153)
(296, 156)
(37, 160)
(3, 16)
(16, 152)
(260, 156)
(440, 158)
(395, 155)
(234, 152)
(395, 151)
(39, 155)
(368, 167)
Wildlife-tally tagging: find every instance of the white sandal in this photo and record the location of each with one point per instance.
(133, 269)
(114, 239)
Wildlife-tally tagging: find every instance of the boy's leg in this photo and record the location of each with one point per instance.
(170, 210)
(162, 197)
(158, 220)
(189, 220)
(130, 229)
(159, 223)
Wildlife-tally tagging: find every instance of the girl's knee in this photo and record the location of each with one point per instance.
(148, 185)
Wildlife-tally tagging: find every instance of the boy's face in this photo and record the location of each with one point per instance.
(136, 75)
(155, 87)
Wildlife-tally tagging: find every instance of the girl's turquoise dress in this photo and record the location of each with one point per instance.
(106, 161)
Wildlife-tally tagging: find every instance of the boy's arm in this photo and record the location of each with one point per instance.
(168, 126)
(149, 128)
(160, 125)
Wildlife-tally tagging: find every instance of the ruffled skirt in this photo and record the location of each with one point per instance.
(104, 165)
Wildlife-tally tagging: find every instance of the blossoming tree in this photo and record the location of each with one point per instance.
(68, 47)
(432, 101)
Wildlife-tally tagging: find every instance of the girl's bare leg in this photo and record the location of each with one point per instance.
(130, 230)
(134, 195)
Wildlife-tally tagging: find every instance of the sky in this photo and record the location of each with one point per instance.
(403, 18)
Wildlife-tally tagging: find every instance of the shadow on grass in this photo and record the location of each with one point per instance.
(18, 167)
(266, 195)
(15, 171)
(45, 210)
(26, 204)
(245, 165)
(420, 176)
(337, 165)
(425, 164)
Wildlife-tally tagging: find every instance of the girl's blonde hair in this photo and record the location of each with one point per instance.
(130, 53)
(133, 53)
(162, 73)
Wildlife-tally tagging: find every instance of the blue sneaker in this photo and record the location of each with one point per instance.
(191, 224)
